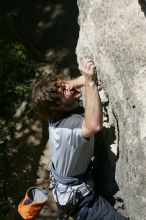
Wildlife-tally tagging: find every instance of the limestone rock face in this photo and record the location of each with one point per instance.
(113, 34)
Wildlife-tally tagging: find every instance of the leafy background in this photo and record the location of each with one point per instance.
(36, 37)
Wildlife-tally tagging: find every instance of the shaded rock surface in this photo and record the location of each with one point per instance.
(113, 34)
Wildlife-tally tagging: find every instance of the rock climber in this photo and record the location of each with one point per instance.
(71, 141)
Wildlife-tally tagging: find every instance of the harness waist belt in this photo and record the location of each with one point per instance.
(69, 180)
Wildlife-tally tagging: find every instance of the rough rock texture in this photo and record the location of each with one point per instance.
(113, 34)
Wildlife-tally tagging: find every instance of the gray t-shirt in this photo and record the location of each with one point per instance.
(71, 152)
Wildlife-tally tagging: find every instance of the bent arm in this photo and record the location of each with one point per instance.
(93, 119)
(77, 82)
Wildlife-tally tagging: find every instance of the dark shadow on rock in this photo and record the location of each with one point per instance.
(105, 164)
(143, 6)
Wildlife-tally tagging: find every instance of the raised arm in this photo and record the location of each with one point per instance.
(93, 119)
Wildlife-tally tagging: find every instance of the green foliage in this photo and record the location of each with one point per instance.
(14, 75)
(21, 90)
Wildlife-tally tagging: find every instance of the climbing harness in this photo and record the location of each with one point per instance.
(68, 191)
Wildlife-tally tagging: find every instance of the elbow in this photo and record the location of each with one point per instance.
(98, 128)
(95, 129)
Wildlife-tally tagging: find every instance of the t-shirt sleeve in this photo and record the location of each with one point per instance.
(73, 122)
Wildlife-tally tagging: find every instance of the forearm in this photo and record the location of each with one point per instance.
(93, 107)
(93, 121)
(77, 82)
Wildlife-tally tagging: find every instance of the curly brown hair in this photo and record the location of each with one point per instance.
(44, 96)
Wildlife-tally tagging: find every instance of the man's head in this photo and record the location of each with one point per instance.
(52, 95)
(67, 92)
